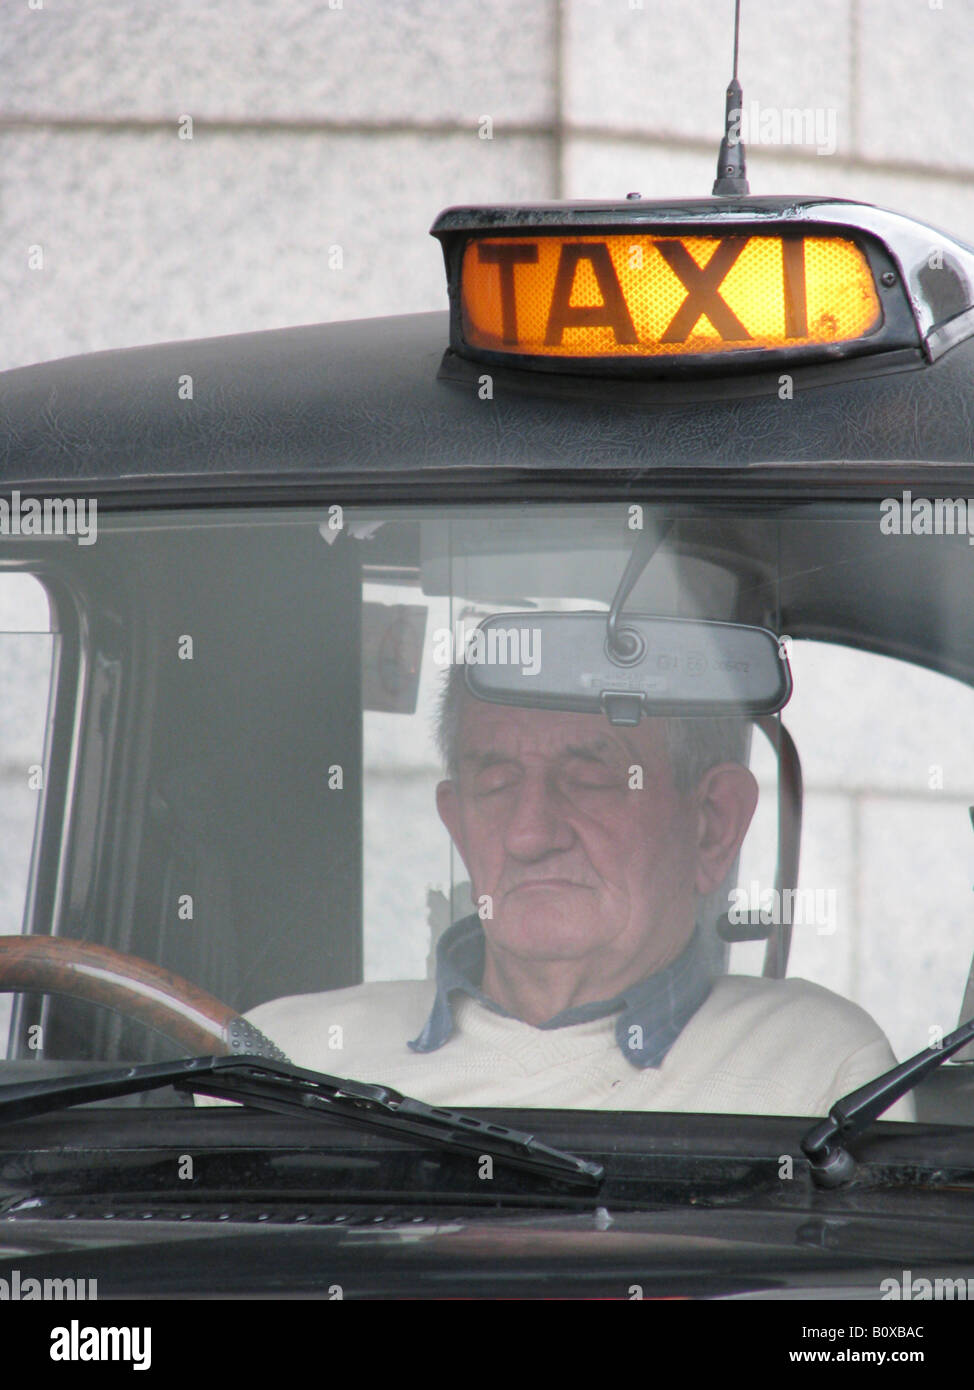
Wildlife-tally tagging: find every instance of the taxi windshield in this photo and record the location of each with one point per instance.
(367, 785)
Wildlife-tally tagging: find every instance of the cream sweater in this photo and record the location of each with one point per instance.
(756, 1046)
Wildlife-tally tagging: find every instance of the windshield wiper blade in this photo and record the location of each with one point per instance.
(287, 1089)
(831, 1163)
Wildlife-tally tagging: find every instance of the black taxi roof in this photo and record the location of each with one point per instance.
(391, 398)
(376, 397)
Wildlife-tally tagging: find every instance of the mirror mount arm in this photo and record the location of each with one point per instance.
(620, 643)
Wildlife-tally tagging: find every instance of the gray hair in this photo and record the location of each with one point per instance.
(694, 745)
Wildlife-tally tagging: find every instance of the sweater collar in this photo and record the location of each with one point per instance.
(651, 1014)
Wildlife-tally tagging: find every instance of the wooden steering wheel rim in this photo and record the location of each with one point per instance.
(175, 1007)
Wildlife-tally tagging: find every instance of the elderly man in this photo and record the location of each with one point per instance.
(583, 980)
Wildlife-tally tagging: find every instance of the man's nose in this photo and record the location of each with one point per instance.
(538, 824)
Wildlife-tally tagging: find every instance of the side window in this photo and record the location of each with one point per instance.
(26, 663)
(885, 910)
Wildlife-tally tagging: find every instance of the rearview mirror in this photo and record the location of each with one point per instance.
(656, 666)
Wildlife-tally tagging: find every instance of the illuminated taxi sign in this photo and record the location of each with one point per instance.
(718, 285)
(638, 295)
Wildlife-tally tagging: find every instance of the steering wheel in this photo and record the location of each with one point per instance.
(194, 1020)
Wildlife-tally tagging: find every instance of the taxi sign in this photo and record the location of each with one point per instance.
(639, 295)
(714, 284)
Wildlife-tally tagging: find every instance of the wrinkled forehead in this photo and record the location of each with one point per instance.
(506, 731)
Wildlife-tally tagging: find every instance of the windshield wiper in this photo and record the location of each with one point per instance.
(831, 1163)
(282, 1087)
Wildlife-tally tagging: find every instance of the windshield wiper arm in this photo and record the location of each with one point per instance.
(831, 1163)
(280, 1086)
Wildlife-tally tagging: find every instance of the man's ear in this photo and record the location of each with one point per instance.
(448, 806)
(725, 798)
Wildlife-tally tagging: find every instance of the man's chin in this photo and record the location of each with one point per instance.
(543, 932)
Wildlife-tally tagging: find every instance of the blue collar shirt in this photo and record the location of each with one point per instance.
(651, 1014)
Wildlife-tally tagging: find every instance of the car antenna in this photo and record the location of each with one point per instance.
(731, 167)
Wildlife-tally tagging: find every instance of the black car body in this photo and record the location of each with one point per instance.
(153, 784)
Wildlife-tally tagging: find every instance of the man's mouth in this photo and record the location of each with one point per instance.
(550, 883)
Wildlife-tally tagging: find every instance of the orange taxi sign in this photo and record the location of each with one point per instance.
(639, 295)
